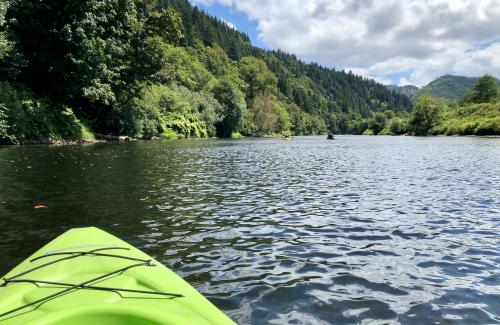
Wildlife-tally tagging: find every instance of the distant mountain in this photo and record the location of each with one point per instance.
(449, 87)
(408, 90)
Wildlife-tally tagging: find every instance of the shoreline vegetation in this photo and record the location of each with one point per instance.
(137, 69)
(431, 117)
(477, 113)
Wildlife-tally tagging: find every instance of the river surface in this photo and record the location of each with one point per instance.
(358, 230)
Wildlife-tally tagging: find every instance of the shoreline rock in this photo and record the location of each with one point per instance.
(56, 142)
(107, 137)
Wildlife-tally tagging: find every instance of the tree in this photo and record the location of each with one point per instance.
(178, 65)
(338, 122)
(167, 24)
(485, 90)
(10, 60)
(283, 122)
(377, 122)
(81, 52)
(296, 119)
(257, 75)
(396, 126)
(265, 113)
(216, 60)
(234, 107)
(427, 112)
(5, 45)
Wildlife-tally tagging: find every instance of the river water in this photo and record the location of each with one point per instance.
(308, 231)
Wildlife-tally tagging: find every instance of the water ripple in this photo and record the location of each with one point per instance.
(357, 230)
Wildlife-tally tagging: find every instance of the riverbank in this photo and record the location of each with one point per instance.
(96, 138)
(111, 138)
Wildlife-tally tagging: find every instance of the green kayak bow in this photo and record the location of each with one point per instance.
(87, 276)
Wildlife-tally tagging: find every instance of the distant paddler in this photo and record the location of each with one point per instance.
(330, 136)
(286, 136)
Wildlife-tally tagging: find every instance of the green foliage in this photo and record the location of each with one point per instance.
(234, 109)
(24, 117)
(191, 114)
(216, 60)
(169, 134)
(171, 112)
(485, 90)
(377, 122)
(268, 115)
(5, 134)
(165, 23)
(177, 65)
(81, 52)
(302, 123)
(382, 123)
(314, 125)
(236, 135)
(10, 59)
(475, 119)
(283, 120)
(338, 122)
(5, 45)
(396, 126)
(368, 132)
(453, 88)
(434, 116)
(257, 75)
(427, 114)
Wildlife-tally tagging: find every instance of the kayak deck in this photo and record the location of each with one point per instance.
(89, 276)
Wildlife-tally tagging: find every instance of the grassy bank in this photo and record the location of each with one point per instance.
(473, 119)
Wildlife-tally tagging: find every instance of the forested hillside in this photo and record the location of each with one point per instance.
(142, 68)
(311, 86)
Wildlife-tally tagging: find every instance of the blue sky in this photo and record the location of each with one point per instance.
(391, 41)
(238, 19)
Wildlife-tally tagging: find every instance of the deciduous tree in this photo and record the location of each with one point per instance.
(485, 90)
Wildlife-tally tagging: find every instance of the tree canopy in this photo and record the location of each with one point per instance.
(485, 90)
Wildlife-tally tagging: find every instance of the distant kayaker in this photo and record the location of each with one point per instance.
(330, 136)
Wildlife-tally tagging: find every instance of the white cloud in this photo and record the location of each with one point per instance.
(403, 82)
(480, 61)
(421, 39)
